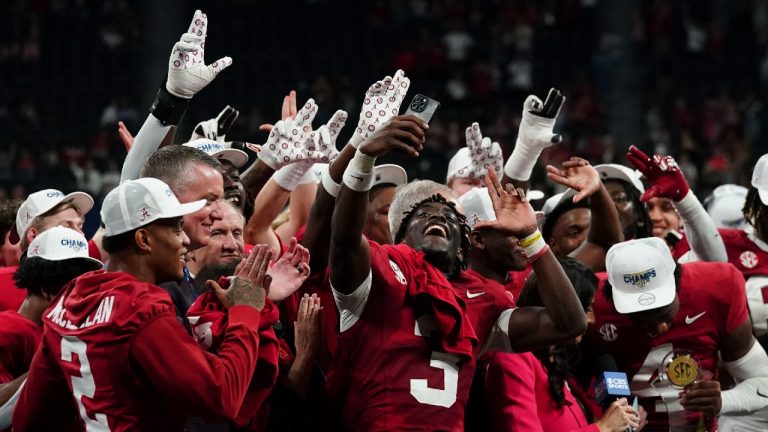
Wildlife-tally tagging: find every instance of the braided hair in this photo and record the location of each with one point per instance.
(465, 229)
(753, 207)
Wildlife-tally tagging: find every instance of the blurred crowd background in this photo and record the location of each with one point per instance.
(686, 78)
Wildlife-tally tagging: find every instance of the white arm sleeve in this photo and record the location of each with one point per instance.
(147, 141)
(498, 338)
(702, 235)
(6, 410)
(351, 306)
(751, 392)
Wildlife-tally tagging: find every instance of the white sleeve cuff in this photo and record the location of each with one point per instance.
(351, 305)
(498, 338)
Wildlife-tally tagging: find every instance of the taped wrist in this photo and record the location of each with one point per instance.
(356, 140)
(329, 185)
(167, 108)
(520, 164)
(288, 177)
(359, 173)
(534, 246)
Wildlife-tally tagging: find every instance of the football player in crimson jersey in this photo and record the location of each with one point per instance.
(653, 316)
(54, 258)
(412, 321)
(103, 361)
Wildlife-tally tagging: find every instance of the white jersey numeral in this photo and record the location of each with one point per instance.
(83, 386)
(448, 363)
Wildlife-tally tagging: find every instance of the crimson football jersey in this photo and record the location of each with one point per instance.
(392, 370)
(712, 305)
(516, 281)
(11, 297)
(114, 357)
(19, 338)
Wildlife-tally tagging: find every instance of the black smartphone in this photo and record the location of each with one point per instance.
(423, 107)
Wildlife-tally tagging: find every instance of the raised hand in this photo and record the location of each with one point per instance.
(187, 71)
(484, 153)
(538, 122)
(576, 173)
(514, 215)
(289, 271)
(307, 327)
(125, 135)
(293, 140)
(288, 111)
(216, 129)
(662, 172)
(251, 282)
(404, 133)
(382, 102)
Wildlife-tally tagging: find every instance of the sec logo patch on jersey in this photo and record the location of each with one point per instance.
(398, 273)
(748, 259)
(609, 332)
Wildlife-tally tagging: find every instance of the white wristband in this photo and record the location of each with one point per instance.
(359, 173)
(520, 164)
(534, 246)
(288, 177)
(329, 185)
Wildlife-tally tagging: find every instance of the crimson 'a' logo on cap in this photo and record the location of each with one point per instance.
(36, 250)
(144, 214)
(28, 217)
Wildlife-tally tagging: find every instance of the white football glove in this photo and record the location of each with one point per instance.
(187, 71)
(535, 134)
(382, 102)
(293, 140)
(484, 153)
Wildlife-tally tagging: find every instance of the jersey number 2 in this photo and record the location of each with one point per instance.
(82, 386)
(448, 363)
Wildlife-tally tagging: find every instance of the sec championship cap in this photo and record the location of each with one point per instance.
(42, 201)
(59, 244)
(477, 206)
(620, 172)
(760, 178)
(218, 150)
(725, 206)
(140, 202)
(642, 274)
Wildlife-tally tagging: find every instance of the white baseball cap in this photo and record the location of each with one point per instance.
(136, 203)
(642, 275)
(620, 172)
(219, 150)
(42, 201)
(760, 178)
(725, 206)
(477, 206)
(459, 165)
(389, 174)
(59, 244)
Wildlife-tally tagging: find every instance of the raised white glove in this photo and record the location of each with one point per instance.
(293, 140)
(483, 152)
(216, 129)
(187, 71)
(382, 102)
(535, 134)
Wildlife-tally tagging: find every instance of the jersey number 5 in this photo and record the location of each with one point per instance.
(82, 386)
(448, 363)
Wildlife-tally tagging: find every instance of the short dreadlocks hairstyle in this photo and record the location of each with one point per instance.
(45, 278)
(753, 206)
(465, 229)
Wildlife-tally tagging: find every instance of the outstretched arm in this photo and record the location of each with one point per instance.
(667, 181)
(605, 227)
(187, 75)
(374, 115)
(349, 254)
(534, 135)
(562, 316)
